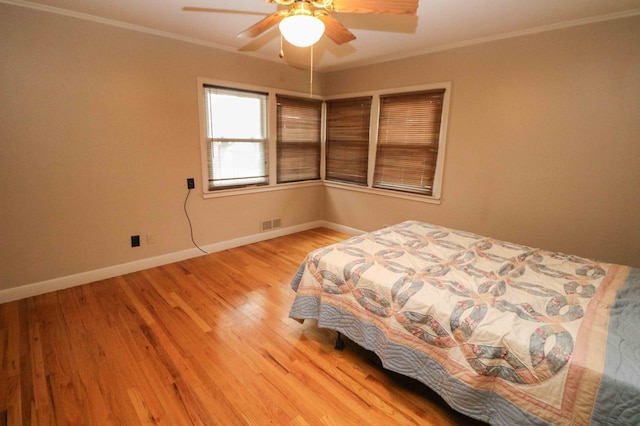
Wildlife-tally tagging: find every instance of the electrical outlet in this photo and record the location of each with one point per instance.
(135, 241)
(191, 183)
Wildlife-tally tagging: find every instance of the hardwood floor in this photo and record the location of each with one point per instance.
(206, 341)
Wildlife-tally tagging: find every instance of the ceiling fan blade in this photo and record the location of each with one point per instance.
(263, 25)
(335, 30)
(390, 7)
(210, 10)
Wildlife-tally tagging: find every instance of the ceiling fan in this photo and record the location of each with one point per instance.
(303, 22)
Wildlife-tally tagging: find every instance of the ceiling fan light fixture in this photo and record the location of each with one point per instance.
(302, 30)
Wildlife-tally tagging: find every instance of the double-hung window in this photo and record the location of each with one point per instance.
(348, 122)
(236, 137)
(299, 130)
(408, 141)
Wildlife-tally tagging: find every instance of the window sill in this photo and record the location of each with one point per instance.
(297, 185)
(384, 192)
(258, 189)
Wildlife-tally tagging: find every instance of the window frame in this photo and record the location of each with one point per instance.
(401, 172)
(346, 142)
(218, 184)
(300, 146)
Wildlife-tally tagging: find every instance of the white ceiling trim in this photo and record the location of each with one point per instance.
(119, 24)
(535, 30)
(151, 31)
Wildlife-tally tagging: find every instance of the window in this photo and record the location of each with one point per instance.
(388, 141)
(299, 124)
(347, 130)
(236, 137)
(408, 141)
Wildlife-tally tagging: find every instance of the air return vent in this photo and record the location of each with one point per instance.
(268, 225)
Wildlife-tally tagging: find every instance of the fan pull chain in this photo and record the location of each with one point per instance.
(311, 75)
(281, 49)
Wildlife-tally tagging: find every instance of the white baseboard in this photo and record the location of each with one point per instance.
(28, 290)
(342, 228)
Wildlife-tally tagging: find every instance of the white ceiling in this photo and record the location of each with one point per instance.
(439, 24)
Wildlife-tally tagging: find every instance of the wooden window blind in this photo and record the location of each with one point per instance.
(299, 124)
(236, 132)
(408, 139)
(347, 127)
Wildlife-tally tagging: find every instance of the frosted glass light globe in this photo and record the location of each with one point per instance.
(302, 30)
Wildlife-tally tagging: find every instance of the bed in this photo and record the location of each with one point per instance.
(505, 333)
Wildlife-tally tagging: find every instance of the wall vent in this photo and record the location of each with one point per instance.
(271, 224)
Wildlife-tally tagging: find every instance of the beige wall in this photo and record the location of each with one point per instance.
(99, 130)
(543, 146)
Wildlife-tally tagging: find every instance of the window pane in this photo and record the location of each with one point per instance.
(408, 141)
(348, 122)
(236, 117)
(236, 126)
(237, 163)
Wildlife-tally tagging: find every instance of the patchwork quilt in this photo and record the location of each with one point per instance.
(505, 333)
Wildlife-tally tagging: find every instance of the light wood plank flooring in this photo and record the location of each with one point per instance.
(206, 341)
